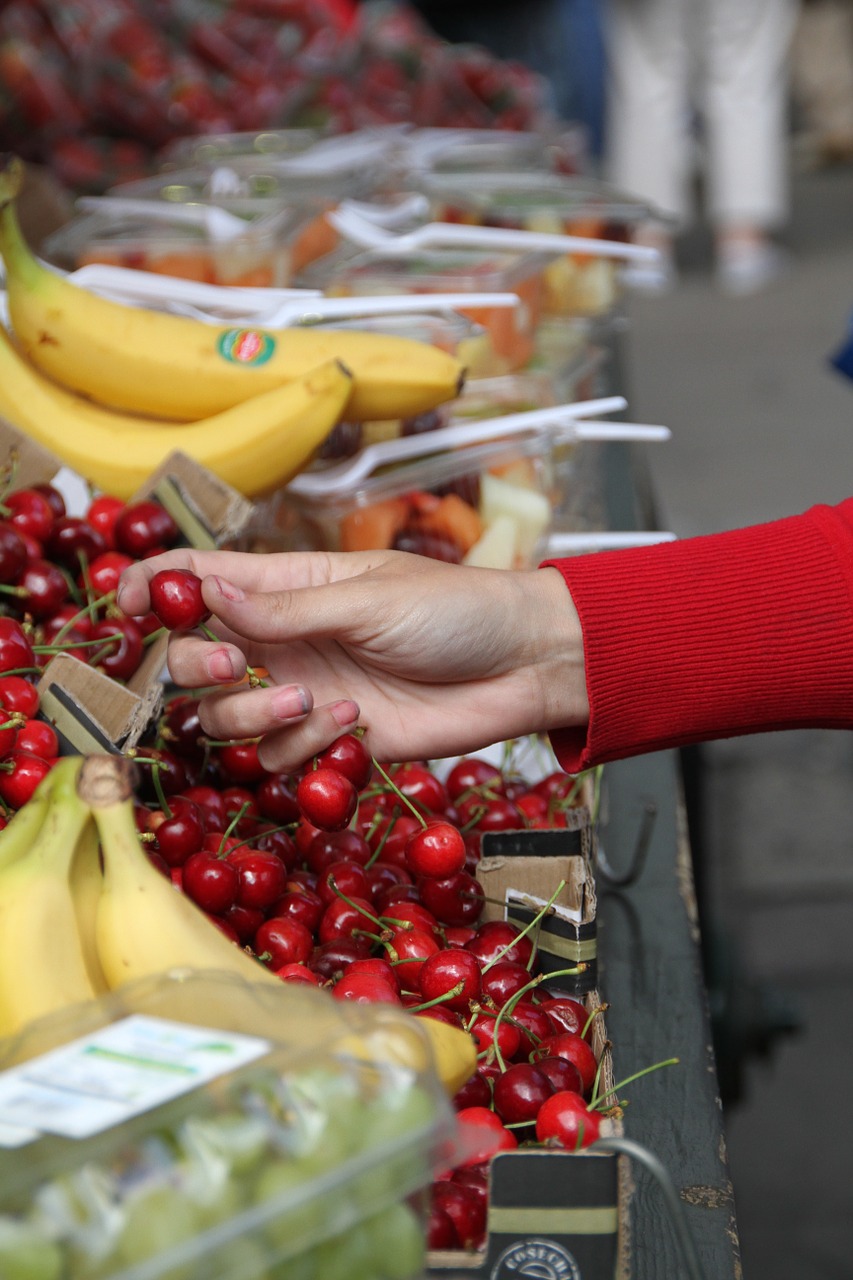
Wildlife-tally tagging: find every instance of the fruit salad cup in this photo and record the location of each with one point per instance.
(509, 333)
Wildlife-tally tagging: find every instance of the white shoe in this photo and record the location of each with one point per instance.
(744, 269)
(653, 279)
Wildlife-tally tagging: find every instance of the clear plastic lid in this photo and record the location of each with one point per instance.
(519, 197)
(200, 1126)
(247, 186)
(458, 270)
(211, 148)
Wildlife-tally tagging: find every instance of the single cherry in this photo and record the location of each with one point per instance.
(564, 1120)
(436, 850)
(176, 599)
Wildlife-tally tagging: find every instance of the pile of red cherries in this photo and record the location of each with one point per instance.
(362, 879)
(58, 580)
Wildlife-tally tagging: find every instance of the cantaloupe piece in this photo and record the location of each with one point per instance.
(373, 528)
(454, 519)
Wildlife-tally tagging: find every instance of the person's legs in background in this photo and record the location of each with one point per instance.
(648, 146)
(745, 104)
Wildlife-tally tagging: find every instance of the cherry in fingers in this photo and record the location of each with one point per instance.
(564, 1120)
(436, 850)
(176, 599)
(327, 799)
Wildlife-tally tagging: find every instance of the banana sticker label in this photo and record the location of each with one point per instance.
(246, 346)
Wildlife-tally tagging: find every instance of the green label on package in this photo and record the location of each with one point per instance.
(123, 1070)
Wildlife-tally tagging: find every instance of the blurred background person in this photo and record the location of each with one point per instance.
(707, 79)
(822, 79)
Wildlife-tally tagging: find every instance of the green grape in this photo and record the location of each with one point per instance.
(348, 1256)
(26, 1255)
(156, 1221)
(398, 1241)
(243, 1258)
(301, 1220)
(238, 1139)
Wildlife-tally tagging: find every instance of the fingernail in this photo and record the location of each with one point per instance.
(228, 590)
(344, 712)
(290, 702)
(220, 665)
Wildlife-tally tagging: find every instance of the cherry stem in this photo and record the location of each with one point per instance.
(527, 928)
(595, 1013)
(350, 903)
(451, 994)
(154, 635)
(255, 681)
(231, 825)
(87, 612)
(23, 671)
(397, 792)
(596, 1101)
(258, 835)
(156, 780)
(377, 852)
(20, 592)
(505, 1013)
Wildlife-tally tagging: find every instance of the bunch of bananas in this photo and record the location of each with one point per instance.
(252, 405)
(83, 911)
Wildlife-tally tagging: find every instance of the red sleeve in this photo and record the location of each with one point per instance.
(712, 637)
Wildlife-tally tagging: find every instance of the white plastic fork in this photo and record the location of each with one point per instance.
(367, 235)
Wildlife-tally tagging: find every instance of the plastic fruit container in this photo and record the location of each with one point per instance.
(260, 256)
(213, 148)
(508, 332)
(195, 1127)
(488, 504)
(575, 284)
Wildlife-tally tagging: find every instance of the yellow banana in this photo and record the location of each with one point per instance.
(42, 966)
(144, 927)
(254, 447)
(171, 366)
(87, 884)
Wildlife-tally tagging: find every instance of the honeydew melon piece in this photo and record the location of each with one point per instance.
(528, 508)
(495, 549)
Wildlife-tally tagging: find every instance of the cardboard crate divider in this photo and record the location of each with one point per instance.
(519, 871)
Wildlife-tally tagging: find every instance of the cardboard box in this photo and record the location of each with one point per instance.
(90, 710)
(551, 1213)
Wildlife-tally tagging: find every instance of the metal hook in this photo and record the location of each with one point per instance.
(619, 880)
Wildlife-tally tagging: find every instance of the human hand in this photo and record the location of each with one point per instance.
(432, 659)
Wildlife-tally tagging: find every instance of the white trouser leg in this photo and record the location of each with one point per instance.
(647, 144)
(745, 108)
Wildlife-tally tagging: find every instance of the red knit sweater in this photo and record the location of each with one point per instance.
(716, 636)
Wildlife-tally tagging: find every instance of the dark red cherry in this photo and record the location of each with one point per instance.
(30, 512)
(45, 587)
(327, 799)
(122, 649)
(349, 756)
(176, 599)
(143, 527)
(13, 553)
(73, 542)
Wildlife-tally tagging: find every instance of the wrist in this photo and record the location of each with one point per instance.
(555, 655)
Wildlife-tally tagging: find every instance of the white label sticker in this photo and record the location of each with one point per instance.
(120, 1071)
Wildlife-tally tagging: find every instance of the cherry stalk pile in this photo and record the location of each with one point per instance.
(58, 579)
(362, 879)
